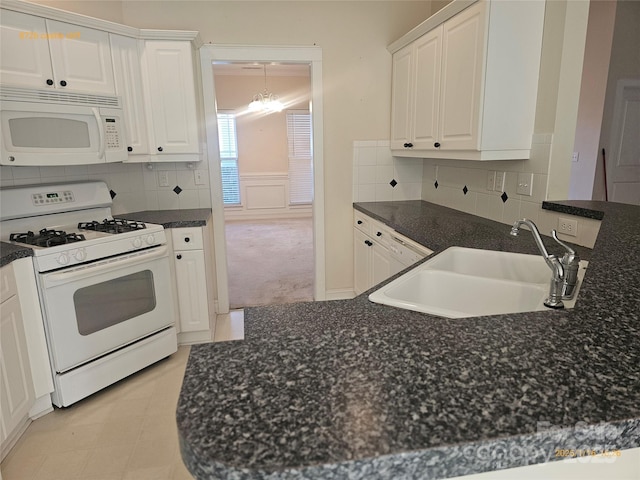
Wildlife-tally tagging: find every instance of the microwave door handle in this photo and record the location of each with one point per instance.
(96, 114)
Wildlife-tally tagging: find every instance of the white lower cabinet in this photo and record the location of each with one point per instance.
(194, 286)
(25, 381)
(372, 263)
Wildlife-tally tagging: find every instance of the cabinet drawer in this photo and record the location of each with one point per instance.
(7, 283)
(362, 222)
(187, 238)
(380, 232)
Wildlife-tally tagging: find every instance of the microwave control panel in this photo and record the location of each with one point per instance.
(112, 133)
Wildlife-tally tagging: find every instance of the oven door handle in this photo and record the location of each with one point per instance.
(90, 269)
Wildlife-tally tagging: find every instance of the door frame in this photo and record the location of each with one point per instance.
(248, 53)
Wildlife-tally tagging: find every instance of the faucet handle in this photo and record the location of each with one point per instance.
(570, 257)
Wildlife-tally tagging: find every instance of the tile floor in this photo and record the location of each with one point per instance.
(124, 432)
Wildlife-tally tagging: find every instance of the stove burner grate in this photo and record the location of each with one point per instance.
(117, 225)
(46, 238)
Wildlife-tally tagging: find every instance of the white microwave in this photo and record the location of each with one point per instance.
(44, 128)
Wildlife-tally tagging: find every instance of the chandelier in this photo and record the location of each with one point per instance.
(265, 101)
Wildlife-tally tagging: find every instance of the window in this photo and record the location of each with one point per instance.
(300, 157)
(228, 143)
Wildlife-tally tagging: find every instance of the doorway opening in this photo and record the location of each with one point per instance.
(266, 174)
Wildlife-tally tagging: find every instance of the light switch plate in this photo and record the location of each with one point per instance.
(491, 180)
(499, 182)
(163, 179)
(525, 184)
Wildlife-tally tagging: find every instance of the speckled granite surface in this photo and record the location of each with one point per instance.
(10, 252)
(581, 208)
(352, 389)
(194, 217)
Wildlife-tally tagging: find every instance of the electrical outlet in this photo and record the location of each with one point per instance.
(198, 178)
(163, 179)
(525, 184)
(491, 180)
(568, 226)
(499, 182)
(575, 156)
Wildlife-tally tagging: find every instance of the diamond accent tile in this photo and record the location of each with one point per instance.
(465, 190)
(112, 193)
(393, 182)
(436, 184)
(504, 197)
(177, 190)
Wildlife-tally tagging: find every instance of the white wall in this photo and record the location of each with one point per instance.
(624, 63)
(592, 94)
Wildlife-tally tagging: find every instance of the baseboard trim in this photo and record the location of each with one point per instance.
(192, 338)
(339, 294)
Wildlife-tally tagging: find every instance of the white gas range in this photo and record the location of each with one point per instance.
(104, 284)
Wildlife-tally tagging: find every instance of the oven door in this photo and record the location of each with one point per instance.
(96, 308)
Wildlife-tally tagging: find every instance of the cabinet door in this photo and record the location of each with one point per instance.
(172, 96)
(81, 58)
(380, 264)
(192, 290)
(463, 46)
(24, 51)
(128, 78)
(16, 385)
(401, 98)
(428, 54)
(361, 262)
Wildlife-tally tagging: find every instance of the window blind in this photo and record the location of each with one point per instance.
(300, 157)
(228, 144)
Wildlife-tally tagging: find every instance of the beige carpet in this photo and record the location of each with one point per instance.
(269, 261)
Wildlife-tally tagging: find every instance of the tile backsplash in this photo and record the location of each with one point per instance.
(134, 187)
(462, 185)
(379, 177)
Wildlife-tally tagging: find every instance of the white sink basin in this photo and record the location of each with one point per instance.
(465, 282)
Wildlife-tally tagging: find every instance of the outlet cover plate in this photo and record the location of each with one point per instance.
(568, 226)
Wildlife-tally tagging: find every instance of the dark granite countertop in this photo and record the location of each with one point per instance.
(10, 252)
(353, 389)
(194, 217)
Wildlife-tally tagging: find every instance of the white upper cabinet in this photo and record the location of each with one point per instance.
(465, 82)
(24, 56)
(44, 53)
(128, 77)
(171, 99)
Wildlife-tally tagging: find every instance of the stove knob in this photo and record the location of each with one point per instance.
(137, 242)
(63, 259)
(151, 239)
(81, 254)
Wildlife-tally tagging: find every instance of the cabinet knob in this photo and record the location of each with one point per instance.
(408, 145)
(159, 149)
(368, 243)
(63, 83)
(437, 144)
(129, 149)
(187, 239)
(379, 234)
(49, 81)
(359, 222)
(178, 256)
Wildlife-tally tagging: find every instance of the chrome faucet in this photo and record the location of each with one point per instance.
(564, 271)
